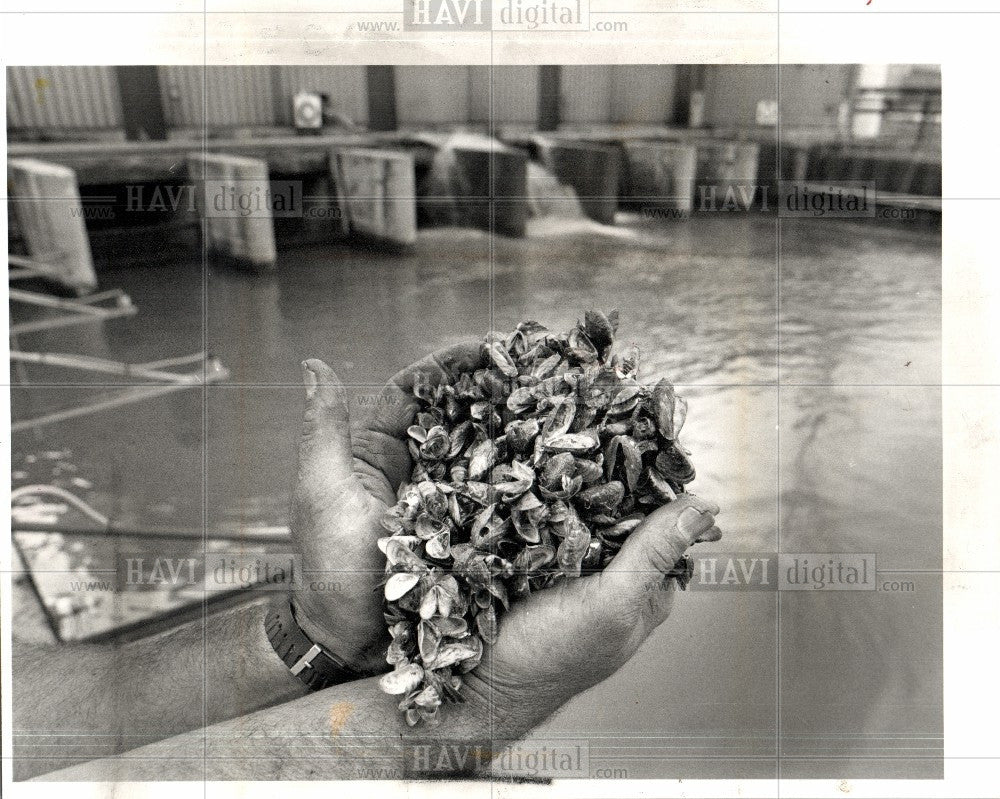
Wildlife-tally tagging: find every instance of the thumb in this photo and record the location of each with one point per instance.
(325, 447)
(637, 571)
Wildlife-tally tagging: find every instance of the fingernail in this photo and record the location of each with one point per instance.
(704, 504)
(310, 379)
(693, 522)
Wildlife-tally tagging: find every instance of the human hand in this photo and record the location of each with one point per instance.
(565, 639)
(346, 479)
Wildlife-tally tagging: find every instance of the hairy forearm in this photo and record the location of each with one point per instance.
(77, 703)
(350, 731)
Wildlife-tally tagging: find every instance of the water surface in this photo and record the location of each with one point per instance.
(809, 353)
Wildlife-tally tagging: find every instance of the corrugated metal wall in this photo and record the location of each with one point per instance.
(810, 94)
(261, 96)
(642, 94)
(237, 96)
(515, 94)
(435, 95)
(86, 98)
(586, 93)
(256, 96)
(64, 97)
(345, 85)
(67, 98)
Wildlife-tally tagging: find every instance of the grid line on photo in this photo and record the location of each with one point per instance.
(778, 742)
(491, 290)
(204, 239)
(624, 12)
(748, 384)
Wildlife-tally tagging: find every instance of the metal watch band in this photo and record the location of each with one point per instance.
(312, 663)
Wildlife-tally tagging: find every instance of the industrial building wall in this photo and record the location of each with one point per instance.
(624, 93)
(515, 95)
(585, 93)
(432, 95)
(345, 85)
(257, 96)
(810, 94)
(642, 94)
(63, 98)
(237, 96)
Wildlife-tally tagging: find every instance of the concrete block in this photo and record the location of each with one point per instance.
(726, 162)
(590, 169)
(499, 175)
(46, 202)
(235, 231)
(378, 193)
(659, 173)
(475, 181)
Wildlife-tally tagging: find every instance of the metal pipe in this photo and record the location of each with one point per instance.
(110, 294)
(43, 271)
(67, 321)
(84, 310)
(180, 360)
(40, 261)
(124, 398)
(46, 301)
(278, 534)
(89, 364)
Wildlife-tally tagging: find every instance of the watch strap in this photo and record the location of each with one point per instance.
(311, 662)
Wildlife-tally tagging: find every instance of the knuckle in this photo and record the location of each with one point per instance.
(663, 551)
(311, 417)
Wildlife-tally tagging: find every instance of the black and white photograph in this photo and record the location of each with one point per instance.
(556, 429)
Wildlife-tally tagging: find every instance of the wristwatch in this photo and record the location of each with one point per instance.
(312, 663)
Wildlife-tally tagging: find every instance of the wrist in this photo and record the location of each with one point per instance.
(512, 712)
(471, 734)
(363, 660)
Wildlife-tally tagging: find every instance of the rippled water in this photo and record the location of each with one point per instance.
(821, 434)
(843, 455)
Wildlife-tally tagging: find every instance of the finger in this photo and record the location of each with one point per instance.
(634, 586)
(325, 447)
(450, 362)
(396, 405)
(715, 534)
(660, 541)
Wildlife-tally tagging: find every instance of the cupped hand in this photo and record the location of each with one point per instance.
(567, 638)
(346, 479)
